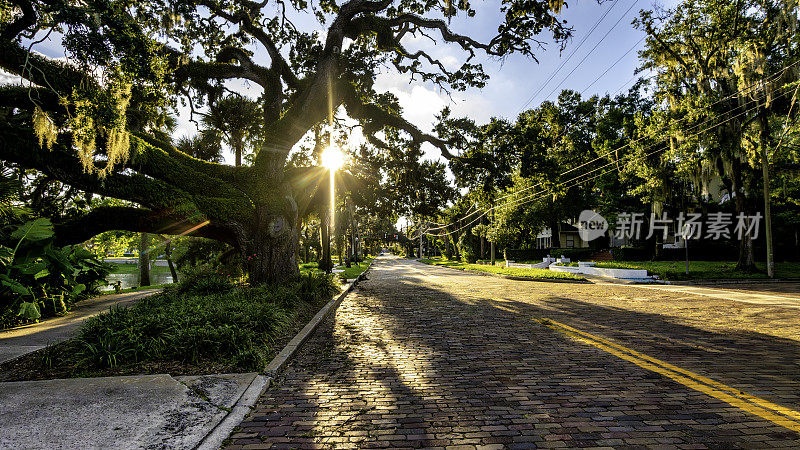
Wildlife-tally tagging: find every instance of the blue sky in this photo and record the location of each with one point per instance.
(513, 81)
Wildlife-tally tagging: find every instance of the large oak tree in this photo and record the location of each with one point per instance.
(96, 121)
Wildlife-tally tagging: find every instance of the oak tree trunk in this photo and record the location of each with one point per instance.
(325, 262)
(168, 256)
(268, 244)
(746, 261)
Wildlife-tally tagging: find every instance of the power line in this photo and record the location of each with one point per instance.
(564, 62)
(625, 84)
(593, 48)
(612, 65)
(786, 91)
(762, 83)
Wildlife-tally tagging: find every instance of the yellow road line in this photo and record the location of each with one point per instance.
(775, 413)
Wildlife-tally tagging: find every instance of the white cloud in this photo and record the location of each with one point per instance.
(7, 78)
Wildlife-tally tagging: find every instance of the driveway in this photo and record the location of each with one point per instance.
(424, 356)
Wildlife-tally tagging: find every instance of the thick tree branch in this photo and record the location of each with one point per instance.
(467, 43)
(163, 161)
(107, 218)
(204, 71)
(58, 76)
(14, 96)
(244, 19)
(61, 164)
(375, 119)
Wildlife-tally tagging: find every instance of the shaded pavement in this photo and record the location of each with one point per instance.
(424, 356)
(22, 340)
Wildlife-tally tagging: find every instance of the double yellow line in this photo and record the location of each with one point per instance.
(777, 414)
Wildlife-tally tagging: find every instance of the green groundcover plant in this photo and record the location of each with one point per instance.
(206, 317)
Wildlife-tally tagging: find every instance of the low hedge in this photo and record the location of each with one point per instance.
(698, 251)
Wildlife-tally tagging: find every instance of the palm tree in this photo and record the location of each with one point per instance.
(204, 145)
(235, 118)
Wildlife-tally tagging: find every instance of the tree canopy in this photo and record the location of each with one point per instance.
(96, 122)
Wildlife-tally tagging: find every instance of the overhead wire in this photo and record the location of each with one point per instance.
(743, 91)
(593, 48)
(564, 62)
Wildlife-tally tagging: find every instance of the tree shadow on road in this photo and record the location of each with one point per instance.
(404, 363)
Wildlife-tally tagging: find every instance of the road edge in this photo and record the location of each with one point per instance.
(217, 436)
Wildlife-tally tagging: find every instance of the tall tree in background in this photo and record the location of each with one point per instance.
(80, 128)
(707, 55)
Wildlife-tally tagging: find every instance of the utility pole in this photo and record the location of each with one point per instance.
(767, 215)
(491, 243)
(482, 238)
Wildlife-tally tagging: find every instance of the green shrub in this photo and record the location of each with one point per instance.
(38, 278)
(574, 254)
(630, 254)
(536, 254)
(206, 255)
(203, 281)
(466, 249)
(215, 321)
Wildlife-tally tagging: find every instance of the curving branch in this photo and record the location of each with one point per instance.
(244, 19)
(59, 77)
(22, 23)
(465, 42)
(374, 118)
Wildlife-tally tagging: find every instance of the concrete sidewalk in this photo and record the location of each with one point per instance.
(20, 341)
(145, 411)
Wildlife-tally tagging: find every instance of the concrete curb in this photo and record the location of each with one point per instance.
(280, 360)
(261, 383)
(510, 277)
(215, 438)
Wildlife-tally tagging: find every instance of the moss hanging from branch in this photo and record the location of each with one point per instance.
(44, 128)
(103, 116)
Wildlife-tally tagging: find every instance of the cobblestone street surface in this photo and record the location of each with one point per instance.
(423, 356)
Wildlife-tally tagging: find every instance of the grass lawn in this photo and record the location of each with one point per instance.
(703, 270)
(203, 325)
(349, 273)
(534, 274)
(133, 269)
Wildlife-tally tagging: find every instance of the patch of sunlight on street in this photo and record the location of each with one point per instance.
(372, 349)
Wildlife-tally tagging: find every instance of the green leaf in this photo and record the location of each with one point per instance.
(42, 273)
(6, 255)
(78, 289)
(35, 230)
(29, 311)
(14, 285)
(30, 269)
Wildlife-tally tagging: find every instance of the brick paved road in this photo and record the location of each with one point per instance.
(422, 356)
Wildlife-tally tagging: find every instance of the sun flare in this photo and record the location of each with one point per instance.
(333, 158)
